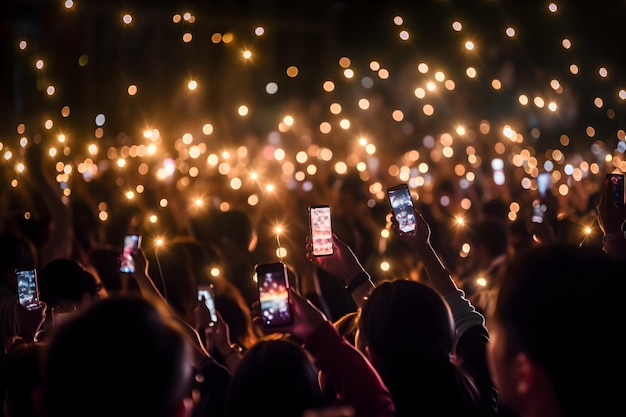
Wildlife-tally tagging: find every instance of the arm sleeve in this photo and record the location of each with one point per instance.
(464, 313)
(351, 376)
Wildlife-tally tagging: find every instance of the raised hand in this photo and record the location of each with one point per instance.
(343, 263)
(610, 217)
(306, 317)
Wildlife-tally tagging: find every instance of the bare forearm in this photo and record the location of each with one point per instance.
(438, 274)
(149, 290)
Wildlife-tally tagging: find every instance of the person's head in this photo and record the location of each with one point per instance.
(225, 231)
(347, 326)
(489, 239)
(403, 319)
(122, 356)
(568, 230)
(556, 320)
(275, 377)
(64, 282)
(20, 378)
(496, 209)
(349, 196)
(105, 263)
(520, 238)
(236, 313)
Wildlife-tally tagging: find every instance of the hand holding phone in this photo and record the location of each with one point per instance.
(617, 188)
(321, 230)
(132, 243)
(402, 207)
(27, 288)
(274, 300)
(206, 291)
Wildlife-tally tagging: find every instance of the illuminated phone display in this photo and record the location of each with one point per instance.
(321, 230)
(131, 247)
(273, 294)
(27, 288)
(206, 291)
(402, 207)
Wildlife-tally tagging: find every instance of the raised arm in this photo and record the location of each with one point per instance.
(61, 232)
(611, 219)
(344, 265)
(149, 290)
(419, 241)
(353, 379)
(464, 313)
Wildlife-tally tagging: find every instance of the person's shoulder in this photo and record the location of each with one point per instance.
(211, 368)
(473, 343)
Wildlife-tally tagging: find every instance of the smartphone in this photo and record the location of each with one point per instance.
(543, 184)
(27, 288)
(273, 287)
(206, 291)
(132, 243)
(402, 207)
(321, 230)
(539, 210)
(617, 181)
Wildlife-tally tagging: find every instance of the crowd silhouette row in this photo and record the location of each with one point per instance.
(523, 323)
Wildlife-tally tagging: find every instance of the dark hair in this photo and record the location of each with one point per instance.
(394, 317)
(563, 306)
(20, 377)
(347, 325)
(235, 311)
(66, 280)
(492, 234)
(105, 261)
(217, 226)
(275, 377)
(408, 328)
(496, 209)
(121, 356)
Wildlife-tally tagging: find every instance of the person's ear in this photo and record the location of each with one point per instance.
(183, 407)
(525, 374)
(86, 300)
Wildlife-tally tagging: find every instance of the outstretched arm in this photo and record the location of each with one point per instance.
(61, 233)
(351, 376)
(149, 290)
(611, 219)
(419, 240)
(344, 265)
(464, 313)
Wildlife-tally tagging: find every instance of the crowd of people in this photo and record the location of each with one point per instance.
(519, 323)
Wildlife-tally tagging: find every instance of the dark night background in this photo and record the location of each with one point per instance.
(312, 35)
